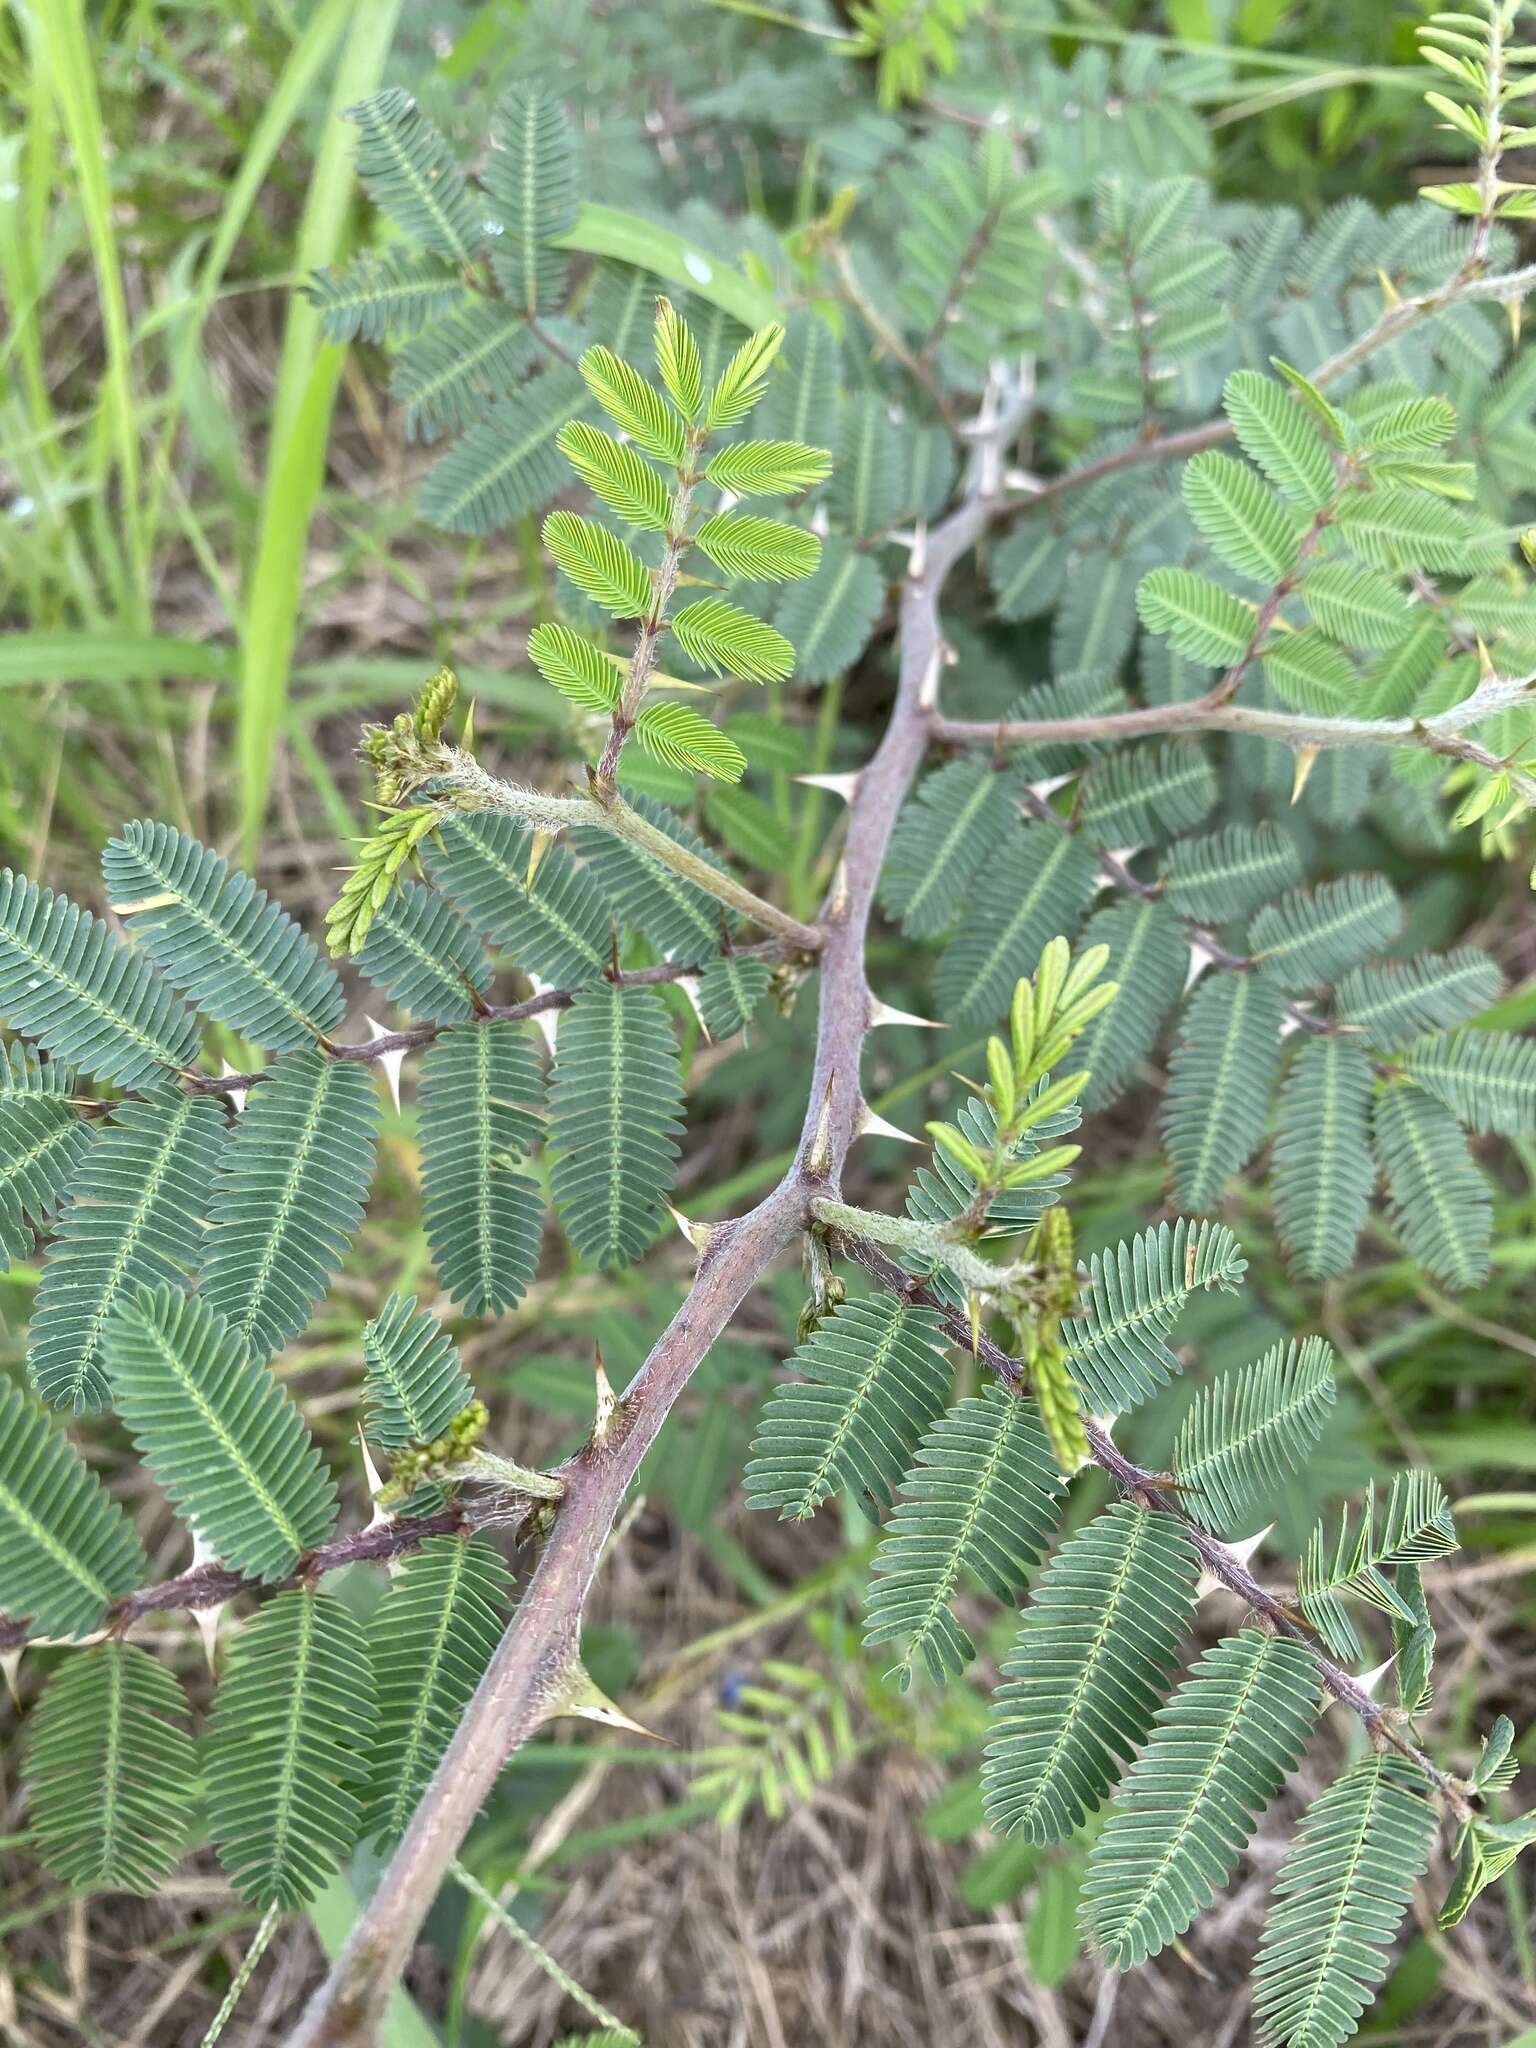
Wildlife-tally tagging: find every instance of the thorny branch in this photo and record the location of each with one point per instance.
(1443, 734)
(540, 1647)
(533, 1663)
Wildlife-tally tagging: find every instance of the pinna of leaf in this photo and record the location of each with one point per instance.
(650, 479)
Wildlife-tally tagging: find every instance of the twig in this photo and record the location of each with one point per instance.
(1147, 1487)
(1396, 320)
(540, 1646)
(210, 1585)
(1443, 734)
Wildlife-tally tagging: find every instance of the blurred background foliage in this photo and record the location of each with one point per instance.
(211, 569)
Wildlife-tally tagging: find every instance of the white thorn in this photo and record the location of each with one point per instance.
(206, 1619)
(697, 1234)
(607, 1401)
(837, 897)
(840, 785)
(1288, 1023)
(388, 1063)
(548, 1021)
(928, 689)
(1106, 1423)
(1199, 960)
(872, 1126)
(375, 1483)
(10, 1664)
(689, 984)
(1369, 1680)
(236, 1095)
(917, 561)
(882, 1013)
(1049, 784)
(1239, 1553)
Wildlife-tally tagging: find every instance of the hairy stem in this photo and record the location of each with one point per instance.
(612, 814)
(1443, 734)
(642, 664)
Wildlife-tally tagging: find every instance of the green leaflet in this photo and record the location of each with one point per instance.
(1247, 526)
(725, 640)
(866, 473)
(1196, 617)
(980, 1501)
(444, 377)
(1096, 620)
(1036, 887)
(1486, 1079)
(1148, 956)
(422, 954)
(43, 1140)
(1275, 432)
(1220, 1751)
(1415, 1526)
(385, 294)
(730, 990)
(1401, 998)
(1029, 570)
(429, 1643)
(1147, 793)
(1229, 872)
(288, 1198)
(1312, 935)
(1219, 1083)
(410, 173)
(286, 1752)
(1246, 1432)
(220, 940)
(133, 1217)
(1441, 1204)
(506, 464)
(480, 1111)
(110, 1770)
(1340, 1895)
(66, 1548)
(874, 1378)
(829, 618)
(1095, 1654)
(614, 1104)
(221, 1435)
(1361, 607)
(90, 1001)
(415, 1384)
(1130, 1302)
(946, 830)
(1323, 1173)
(531, 179)
(557, 927)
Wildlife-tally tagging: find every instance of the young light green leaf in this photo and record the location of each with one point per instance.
(682, 738)
(728, 641)
(633, 405)
(759, 549)
(740, 384)
(620, 477)
(575, 667)
(599, 564)
(677, 360)
(768, 469)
